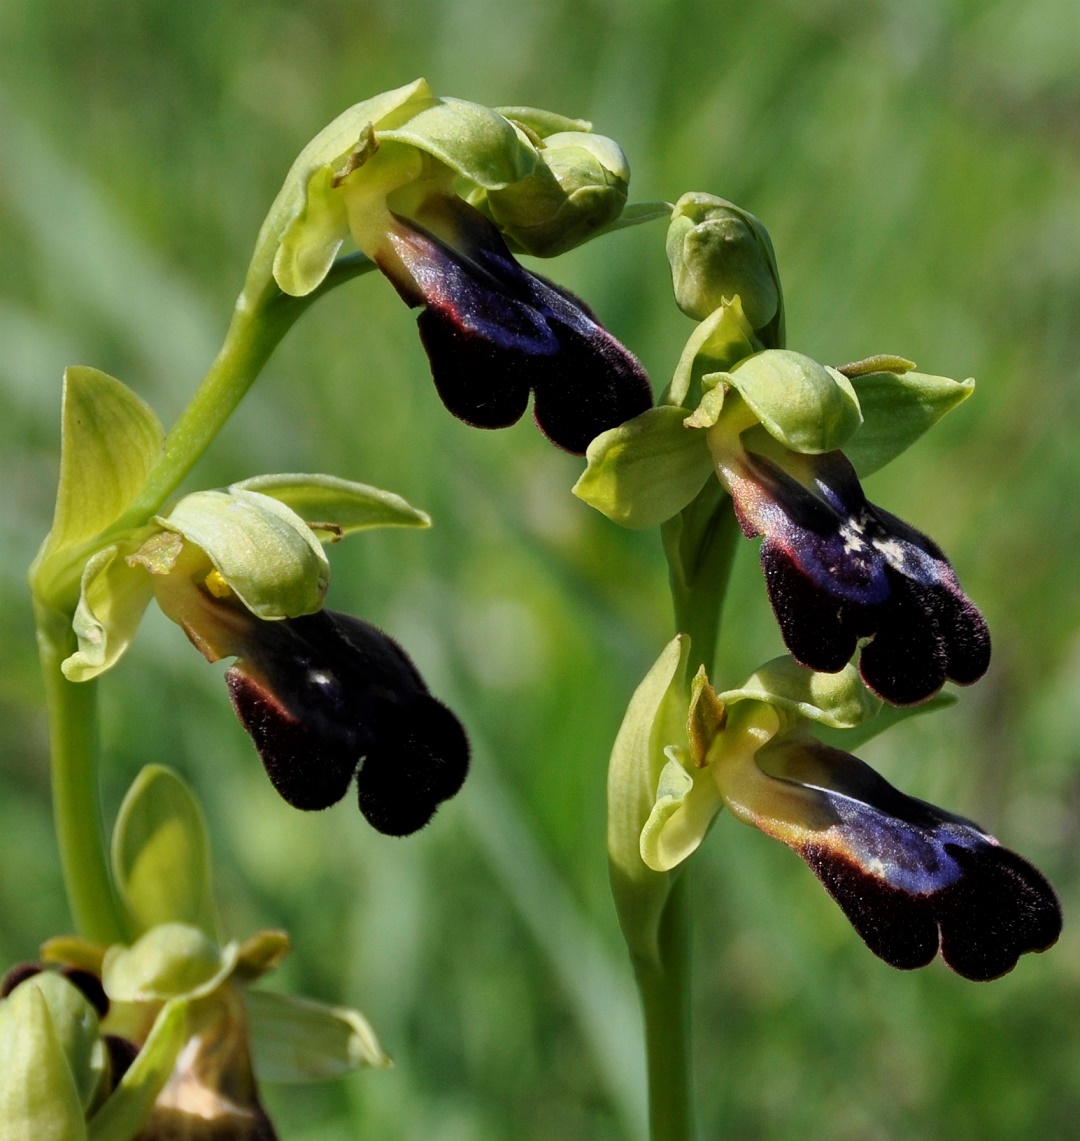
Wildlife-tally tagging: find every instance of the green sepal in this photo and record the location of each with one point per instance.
(839, 700)
(543, 123)
(897, 409)
(40, 1098)
(161, 854)
(112, 599)
(889, 715)
(172, 960)
(129, 1106)
(472, 140)
(806, 406)
(333, 507)
(265, 552)
(646, 470)
(298, 1040)
(655, 718)
(717, 344)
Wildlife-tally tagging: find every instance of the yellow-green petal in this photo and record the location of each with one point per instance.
(111, 604)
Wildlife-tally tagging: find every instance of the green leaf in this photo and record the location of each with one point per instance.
(336, 507)
(132, 1102)
(297, 1040)
(886, 717)
(471, 139)
(806, 406)
(161, 854)
(646, 470)
(839, 699)
(110, 439)
(897, 409)
(261, 548)
(112, 600)
(39, 1098)
(655, 719)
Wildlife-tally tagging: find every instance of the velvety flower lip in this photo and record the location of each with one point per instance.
(325, 693)
(911, 878)
(839, 569)
(493, 332)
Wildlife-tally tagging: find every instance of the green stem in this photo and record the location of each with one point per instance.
(80, 832)
(263, 315)
(664, 989)
(700, 545)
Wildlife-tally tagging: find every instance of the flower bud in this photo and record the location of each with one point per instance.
(579, 186)
(718, 251)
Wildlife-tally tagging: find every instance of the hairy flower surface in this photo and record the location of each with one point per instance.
(494, 332)
(911, 878)
(325, 694)
(839, 569)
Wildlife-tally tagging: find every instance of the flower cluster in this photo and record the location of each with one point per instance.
(431, 190)
(911, 878)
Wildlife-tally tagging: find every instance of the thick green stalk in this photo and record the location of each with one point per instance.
(700, 545)
(73, 743)
(664, 990)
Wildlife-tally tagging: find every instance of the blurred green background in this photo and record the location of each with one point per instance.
(918, 165)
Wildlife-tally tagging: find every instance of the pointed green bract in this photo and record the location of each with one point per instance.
(39, 1096)
(646, 470)
(110, 440)
(131, 1103)
(839, 700)
(297, 1040)
(336, 507)
(654, 719)
(264, 551)
(112, 600)
(897, 409)
(161, 854)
